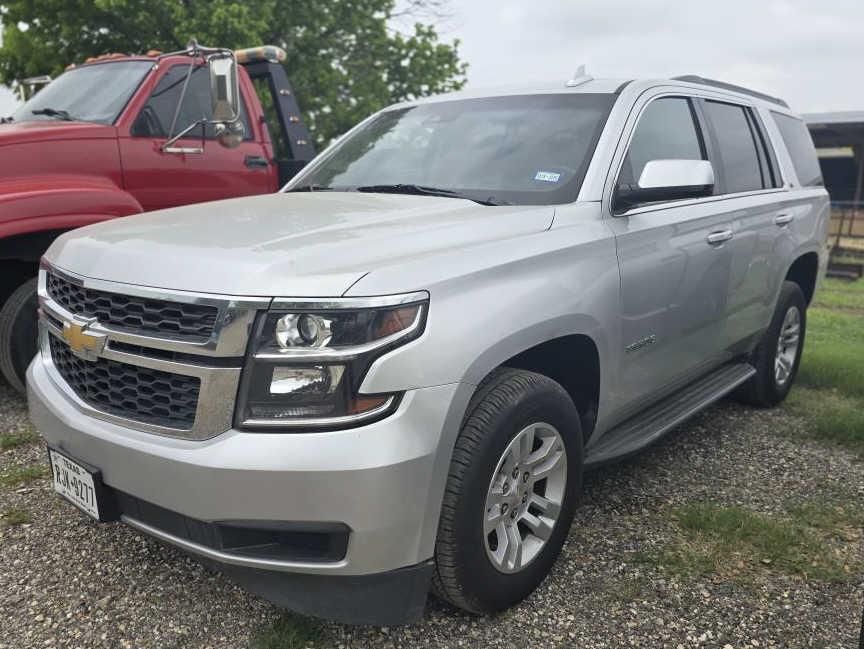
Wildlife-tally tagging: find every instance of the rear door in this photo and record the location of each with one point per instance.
(159, 179)
(749, 182)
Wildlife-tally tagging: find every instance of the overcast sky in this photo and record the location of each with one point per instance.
(811, 52)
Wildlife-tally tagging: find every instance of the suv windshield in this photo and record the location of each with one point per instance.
(93, 93)
(520, 150)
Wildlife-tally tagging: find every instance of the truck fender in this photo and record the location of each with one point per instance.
(60, 203)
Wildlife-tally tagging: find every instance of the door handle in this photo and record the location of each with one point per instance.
(783, 219)
(256, 162)
(716, 238)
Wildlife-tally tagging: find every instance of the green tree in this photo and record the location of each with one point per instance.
(344, 59)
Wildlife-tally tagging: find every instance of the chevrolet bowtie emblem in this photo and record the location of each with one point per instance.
(83, 344)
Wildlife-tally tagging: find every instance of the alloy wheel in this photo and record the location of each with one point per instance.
(787, 346)
(525, 497)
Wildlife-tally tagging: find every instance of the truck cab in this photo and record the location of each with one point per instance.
(100, 142)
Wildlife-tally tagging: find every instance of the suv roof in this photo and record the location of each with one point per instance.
(592, 85)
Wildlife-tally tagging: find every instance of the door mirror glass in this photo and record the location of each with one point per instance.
(224, 89)
(667, 180)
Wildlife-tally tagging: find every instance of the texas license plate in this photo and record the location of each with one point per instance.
(77, 484)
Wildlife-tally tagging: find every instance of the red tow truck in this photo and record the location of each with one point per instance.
(125, 134)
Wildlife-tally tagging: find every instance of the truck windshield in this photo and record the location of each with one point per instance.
(93, 93)
(518, 150)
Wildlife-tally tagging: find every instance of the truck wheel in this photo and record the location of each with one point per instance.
(511, 492)
(778, 355)
(18, 333)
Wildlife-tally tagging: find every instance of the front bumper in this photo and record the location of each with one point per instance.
(383, 481)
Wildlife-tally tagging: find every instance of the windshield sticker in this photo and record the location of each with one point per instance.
(547, 176)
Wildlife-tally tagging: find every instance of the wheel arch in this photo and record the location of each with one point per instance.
(804, 271)
(568, 350)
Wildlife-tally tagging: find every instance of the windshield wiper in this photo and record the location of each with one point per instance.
(54, 112)
(421, 190)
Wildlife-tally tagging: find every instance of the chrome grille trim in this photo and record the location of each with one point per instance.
(218, 383)
(143, 316)
(234, 318)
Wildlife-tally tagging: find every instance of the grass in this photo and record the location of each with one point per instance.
(829, 394)
(290, 632)
(20, 475)
(15, 516)
(738, 544)
(13, 440)
(840, 294)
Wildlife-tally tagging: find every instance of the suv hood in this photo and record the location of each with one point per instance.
(293, 244)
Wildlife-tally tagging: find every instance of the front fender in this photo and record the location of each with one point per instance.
(60, 203)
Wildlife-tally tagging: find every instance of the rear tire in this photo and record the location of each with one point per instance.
(778, 355)
(18, 334)
(518, 424)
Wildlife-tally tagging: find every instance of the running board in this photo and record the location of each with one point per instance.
(648, 426)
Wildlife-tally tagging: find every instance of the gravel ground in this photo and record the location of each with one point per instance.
(67, 582)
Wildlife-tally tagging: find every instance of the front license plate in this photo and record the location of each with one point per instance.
(77, 484)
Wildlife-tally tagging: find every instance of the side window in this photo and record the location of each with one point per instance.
(798, 142)
(666, 130)
(156, 116)
(741, 162)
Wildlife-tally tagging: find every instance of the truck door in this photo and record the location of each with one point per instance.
(675, 263)
(160, 179)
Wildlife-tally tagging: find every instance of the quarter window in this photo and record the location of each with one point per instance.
(797, 139)
(667, 130)
(738, 157)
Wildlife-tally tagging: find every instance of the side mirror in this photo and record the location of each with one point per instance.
(224, 89)
(224, 96)
(667, 180)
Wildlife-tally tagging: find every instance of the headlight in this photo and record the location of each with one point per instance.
(308, 359)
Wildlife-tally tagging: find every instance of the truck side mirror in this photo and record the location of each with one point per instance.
(225, 97)
(224, 89)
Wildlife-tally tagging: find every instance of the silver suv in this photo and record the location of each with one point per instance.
(392, 375)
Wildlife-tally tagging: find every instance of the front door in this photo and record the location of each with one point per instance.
(675, 263)
(159, 179)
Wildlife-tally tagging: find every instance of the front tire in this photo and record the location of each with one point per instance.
(511, 492)
(18, 334)
(778, 355)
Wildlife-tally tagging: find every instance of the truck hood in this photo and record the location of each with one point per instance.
(49, 131)
(293, 245)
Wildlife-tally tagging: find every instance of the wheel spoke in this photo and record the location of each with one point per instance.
(514, 548)
(526, 444)
(494, 517)
(547, 507)
(503, 543)
(546, 465)
(540, 526)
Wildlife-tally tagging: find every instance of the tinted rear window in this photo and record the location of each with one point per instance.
(801, 150)
(739, 157)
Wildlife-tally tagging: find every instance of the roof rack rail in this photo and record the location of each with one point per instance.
(695, 78)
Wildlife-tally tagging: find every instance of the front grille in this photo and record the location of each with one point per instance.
(138, 315)
(129, 391)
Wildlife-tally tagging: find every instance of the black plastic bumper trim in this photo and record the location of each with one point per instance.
(387, 598)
